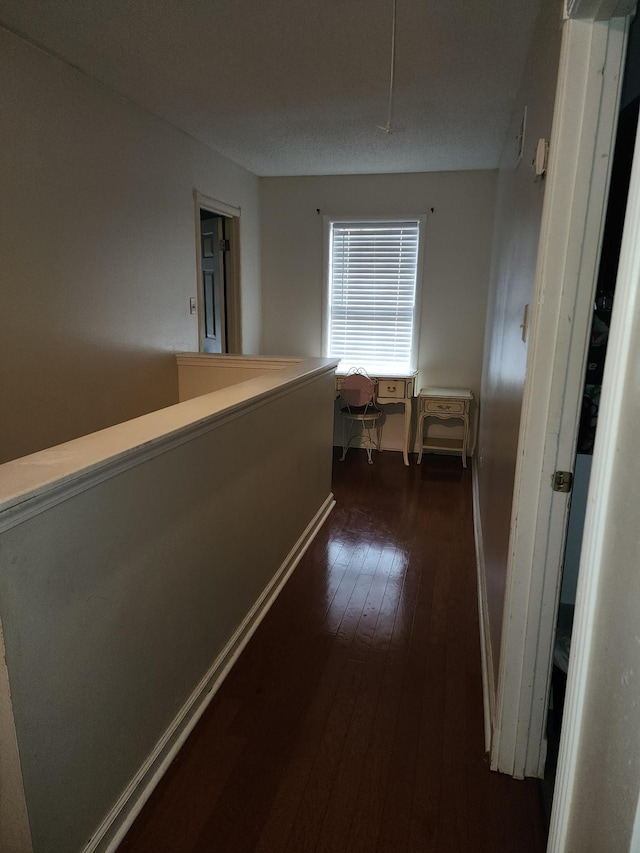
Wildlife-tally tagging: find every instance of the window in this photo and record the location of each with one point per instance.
(372, 294)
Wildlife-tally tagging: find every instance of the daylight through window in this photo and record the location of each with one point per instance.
(372, 275)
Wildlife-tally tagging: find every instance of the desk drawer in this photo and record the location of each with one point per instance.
(392, 388)
(443, 406)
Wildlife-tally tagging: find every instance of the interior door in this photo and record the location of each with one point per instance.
(213, 333)
(582, 142)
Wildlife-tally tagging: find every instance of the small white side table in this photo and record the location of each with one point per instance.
(444, 404)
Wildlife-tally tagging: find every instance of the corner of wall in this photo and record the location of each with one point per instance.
(15, 834)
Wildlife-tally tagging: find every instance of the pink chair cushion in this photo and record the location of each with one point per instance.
(357, 390)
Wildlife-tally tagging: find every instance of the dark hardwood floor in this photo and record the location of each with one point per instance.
(353, 719)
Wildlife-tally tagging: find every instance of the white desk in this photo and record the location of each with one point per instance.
(393, 389)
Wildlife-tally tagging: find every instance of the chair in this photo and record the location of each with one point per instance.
(357, 395)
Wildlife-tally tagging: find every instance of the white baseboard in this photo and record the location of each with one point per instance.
(117, 822)
(486, 654)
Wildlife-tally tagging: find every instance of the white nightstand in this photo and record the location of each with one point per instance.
(444, 404)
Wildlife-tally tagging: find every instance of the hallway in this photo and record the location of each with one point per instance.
(353, 720)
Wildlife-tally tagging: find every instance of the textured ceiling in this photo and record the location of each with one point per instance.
(299, 87)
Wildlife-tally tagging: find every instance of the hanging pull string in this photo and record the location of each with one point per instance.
(387, 126)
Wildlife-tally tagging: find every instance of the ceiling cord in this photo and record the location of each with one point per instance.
(387, 126)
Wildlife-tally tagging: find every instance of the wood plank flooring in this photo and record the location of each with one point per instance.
(353, 720)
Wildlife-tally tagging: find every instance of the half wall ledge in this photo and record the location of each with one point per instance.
(136, 563)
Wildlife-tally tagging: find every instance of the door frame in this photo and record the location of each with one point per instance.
(596, 558)
(233, 304)
(581, 151)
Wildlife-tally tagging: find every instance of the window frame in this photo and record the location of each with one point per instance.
(328, 223)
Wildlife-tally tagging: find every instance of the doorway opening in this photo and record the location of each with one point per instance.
(217, 241)
(213, 248)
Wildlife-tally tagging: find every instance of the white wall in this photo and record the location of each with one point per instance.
(456, 269)
(517, 228)
(97, 241)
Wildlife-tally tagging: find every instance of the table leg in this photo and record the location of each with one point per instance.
(407, 430)
(420, 441)
(465, 440)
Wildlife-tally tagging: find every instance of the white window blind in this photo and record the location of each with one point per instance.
(372, 293)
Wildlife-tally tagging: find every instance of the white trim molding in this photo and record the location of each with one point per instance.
(257, 362)
(215, 205)
(486, 651)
